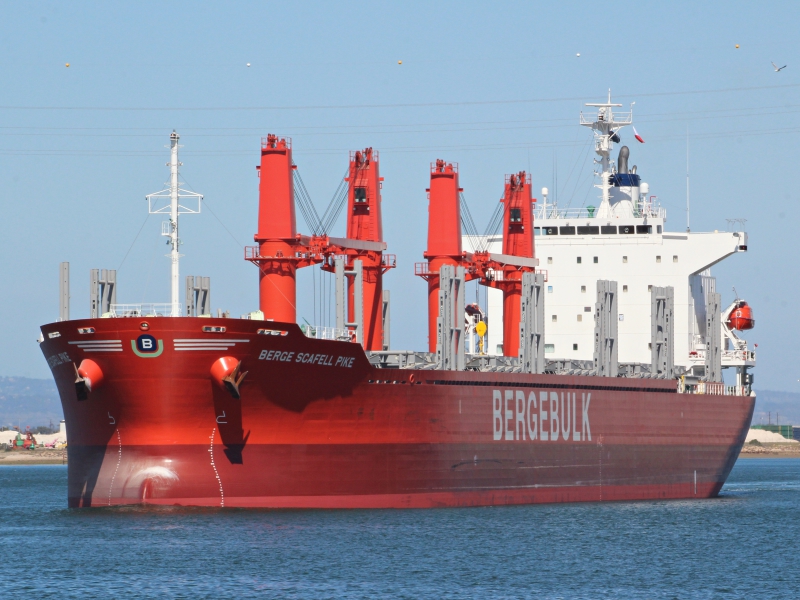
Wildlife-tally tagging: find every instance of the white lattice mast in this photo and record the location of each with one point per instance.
(169, 228)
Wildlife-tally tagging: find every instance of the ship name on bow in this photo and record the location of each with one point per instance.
(308, 358)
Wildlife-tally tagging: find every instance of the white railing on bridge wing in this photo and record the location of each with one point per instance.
(714, 388)
(162, 309)
(698, 355)
(553, 212)
(317, 332)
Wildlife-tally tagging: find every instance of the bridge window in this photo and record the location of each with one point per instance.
(566, 230)
(644, 229)
(626, 229)
(549, 230)
(588, 230)
(608, 230)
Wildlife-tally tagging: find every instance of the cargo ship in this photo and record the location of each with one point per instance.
(539, 396)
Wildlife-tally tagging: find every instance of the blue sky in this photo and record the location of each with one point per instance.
(496, 87)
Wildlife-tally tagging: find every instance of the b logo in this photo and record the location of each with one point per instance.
(146, 346)
(146, 343)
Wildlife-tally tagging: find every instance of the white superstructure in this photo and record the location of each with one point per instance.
(623, 239)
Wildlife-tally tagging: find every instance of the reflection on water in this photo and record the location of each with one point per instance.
(739, 545)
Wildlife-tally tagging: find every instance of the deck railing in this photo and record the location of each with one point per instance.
(318, 332)
(554, 212)
(713, 388)
(159, 309)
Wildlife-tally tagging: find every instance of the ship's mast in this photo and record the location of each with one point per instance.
(606, 127)
(169, 228)
(174, 241)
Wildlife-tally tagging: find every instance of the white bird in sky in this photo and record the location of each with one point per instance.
(777, 68)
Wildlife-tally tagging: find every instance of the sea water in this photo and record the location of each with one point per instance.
(743, 544)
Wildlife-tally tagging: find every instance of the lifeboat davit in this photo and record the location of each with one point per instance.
(741, 317)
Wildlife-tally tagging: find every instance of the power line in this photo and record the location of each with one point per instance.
(392, 105)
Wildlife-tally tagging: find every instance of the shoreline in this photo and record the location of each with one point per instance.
(59, 457)
(787, 450)
(33, 457)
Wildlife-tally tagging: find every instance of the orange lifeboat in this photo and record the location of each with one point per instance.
(741, 317)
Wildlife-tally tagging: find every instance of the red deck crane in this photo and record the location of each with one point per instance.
(444, 238)
(505, 271)
(364, 242)
(281, 251)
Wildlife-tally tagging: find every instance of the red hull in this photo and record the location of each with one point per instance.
(318, 427)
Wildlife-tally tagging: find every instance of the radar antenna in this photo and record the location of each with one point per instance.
(606, 127)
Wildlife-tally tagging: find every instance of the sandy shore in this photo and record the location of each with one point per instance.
(770, 451)
(33, 457)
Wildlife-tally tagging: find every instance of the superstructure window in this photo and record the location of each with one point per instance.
(549, 289)
(549, 230)
(608, 230)
(624, 259)
(674, 258)
(583, 289)
(644, 229)
(537, 231)
(658, 259)
(574, 346)
(658, 228)
(596, 260)
(588, 230)
(579, 260)
(360, 194)
(587, 309)
(549, 260)
(580, 318)
(549, 348)
(625, 288)
(626, 229)
(555, 318)
(566, 230)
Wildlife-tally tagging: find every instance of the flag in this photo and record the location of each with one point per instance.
(637, 136)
